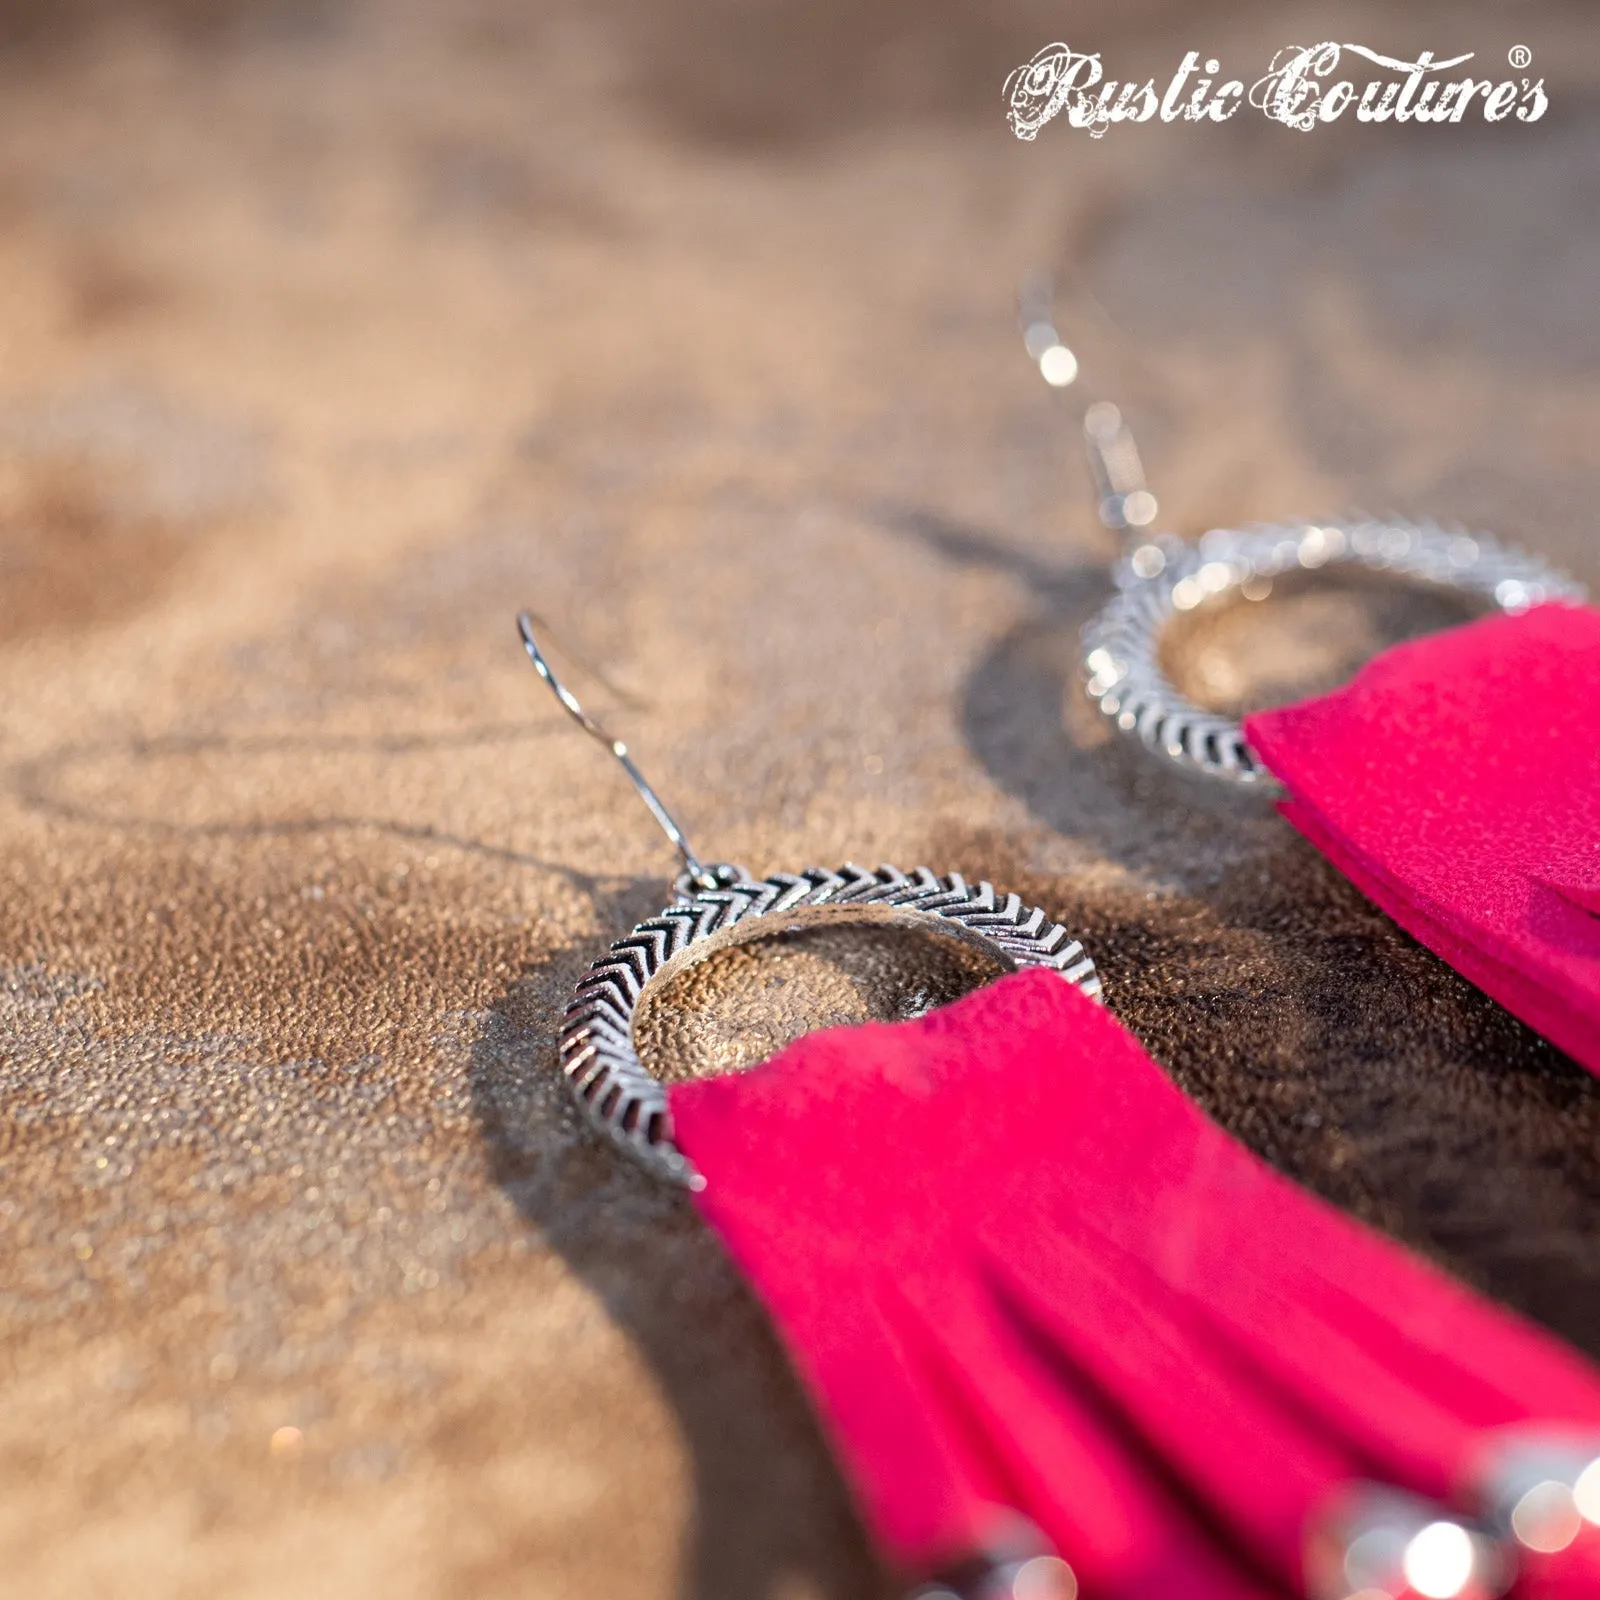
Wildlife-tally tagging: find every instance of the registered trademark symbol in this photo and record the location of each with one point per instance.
(1519, 56)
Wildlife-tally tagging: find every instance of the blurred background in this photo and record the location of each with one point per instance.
(331, 333)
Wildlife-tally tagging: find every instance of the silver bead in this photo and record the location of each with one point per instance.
(1539, 1487)
(1019, 1565)
(1377, 1543)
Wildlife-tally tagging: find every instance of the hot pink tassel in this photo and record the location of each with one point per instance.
(1456, 782)
(1022, 1274)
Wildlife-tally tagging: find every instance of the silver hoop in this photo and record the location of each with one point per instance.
(1165, 576)
(627, 1104)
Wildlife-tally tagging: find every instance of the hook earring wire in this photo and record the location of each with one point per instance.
(698, 874)
(1124, 502)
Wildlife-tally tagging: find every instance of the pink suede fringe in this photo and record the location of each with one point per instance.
(1020, 1272)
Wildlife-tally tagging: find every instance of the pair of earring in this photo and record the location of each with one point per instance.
(1371, 1542)
(1159, 578)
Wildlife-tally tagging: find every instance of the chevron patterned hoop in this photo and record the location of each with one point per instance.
(1164, 576)
(623, 1100)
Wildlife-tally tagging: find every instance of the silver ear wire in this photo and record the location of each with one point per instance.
(1124, 500)
(1058, 366)
(697, 874)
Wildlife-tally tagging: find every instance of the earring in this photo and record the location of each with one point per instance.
(1160, 578)
(716, 905)
(1455, 780)
(997, 1242)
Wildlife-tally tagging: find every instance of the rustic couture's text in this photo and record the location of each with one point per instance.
(1303, 89)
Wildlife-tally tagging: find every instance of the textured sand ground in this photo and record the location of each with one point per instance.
(328, 337)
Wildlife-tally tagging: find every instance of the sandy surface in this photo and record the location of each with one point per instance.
(329, 337)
